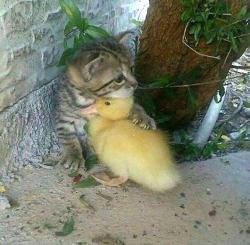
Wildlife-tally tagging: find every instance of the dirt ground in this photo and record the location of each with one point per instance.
(210, 206)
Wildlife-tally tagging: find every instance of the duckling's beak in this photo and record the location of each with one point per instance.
(90, 110)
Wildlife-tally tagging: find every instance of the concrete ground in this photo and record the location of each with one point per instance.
(211, 206)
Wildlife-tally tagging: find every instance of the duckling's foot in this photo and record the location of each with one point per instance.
(114, 182)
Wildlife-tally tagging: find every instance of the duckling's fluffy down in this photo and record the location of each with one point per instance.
(141, 155)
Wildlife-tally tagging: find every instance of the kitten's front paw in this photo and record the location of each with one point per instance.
(144, 121)
(52, 159)
(73, 163)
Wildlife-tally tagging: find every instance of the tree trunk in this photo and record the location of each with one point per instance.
(162, 52)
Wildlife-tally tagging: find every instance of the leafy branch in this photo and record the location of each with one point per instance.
(214, 21)
(77, 29)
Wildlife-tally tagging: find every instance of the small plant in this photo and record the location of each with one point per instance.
(213, 21)
(186, 150)
(77, 30)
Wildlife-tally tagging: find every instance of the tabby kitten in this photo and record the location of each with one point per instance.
(99, 69)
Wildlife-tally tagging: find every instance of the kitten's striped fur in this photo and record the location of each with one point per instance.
(99, 69)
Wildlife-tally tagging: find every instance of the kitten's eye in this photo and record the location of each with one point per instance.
(107, 103)
(119, 79)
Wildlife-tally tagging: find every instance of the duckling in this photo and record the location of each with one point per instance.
(131, 152)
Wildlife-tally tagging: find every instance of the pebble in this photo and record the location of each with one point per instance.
(234, 135)
(212, 212)
(4, 203)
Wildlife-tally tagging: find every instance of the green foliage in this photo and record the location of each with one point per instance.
(165, 83)
(137, 22)
(67, 229)
(191, 100)
(91, 161)
(86, 183)
(152, 109)
(167, 80)
(213, 21)
(77, 30)
(186, 150)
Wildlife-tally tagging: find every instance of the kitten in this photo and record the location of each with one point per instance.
(99, 69)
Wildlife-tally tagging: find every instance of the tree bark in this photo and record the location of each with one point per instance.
(162, 52)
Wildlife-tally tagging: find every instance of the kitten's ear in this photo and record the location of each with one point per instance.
(80, 72)
(129, 39)
(92, 67)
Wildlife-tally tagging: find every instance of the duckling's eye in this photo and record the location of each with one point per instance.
(107, 103)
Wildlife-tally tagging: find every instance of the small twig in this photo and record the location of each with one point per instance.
(189, 85)
(231, 24)
(243, 35)
(240, 67)
(227, 57)
(225, 14)
(185, 43)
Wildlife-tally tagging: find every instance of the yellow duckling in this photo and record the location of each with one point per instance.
(128, 150)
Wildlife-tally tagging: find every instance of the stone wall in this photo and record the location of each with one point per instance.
(31, 38)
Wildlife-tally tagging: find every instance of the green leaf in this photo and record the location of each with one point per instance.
(66, 56)
(186, 15)
(187, 3)
(242, 13)
(210, 37)
(91, 161)
(207, 151)
(192, 29)
(233, 41)
(191, 99)
(96, 32)
(84, 25)
(69, 27)
(71, 10)
(198, 18)
(197, 32)
(160, 81)
(137, 22)
(84, 39)
(67, 229)
(86, 183)
(221, 146)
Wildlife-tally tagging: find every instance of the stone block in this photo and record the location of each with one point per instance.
(18, 17)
